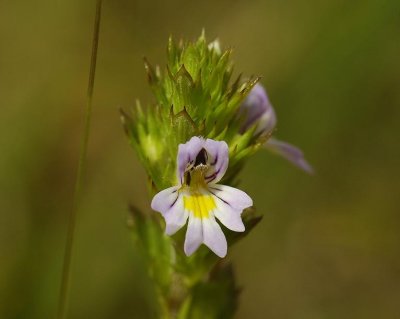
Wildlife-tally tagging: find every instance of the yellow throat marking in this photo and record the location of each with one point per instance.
(199, 204)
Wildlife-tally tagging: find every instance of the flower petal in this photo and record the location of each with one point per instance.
(187, 153)
(290, 152)
(214, 238)
(229, 217)
(231, 196)
(165, 200)
(170, 204)
(176, 217)
(267, 121)
(194, 235)
(258, 109)
(218, 160)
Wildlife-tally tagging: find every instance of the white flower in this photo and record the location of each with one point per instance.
(201, 163)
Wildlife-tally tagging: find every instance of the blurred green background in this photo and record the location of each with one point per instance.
(328, 246)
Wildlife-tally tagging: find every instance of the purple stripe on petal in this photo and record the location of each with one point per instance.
(215, 160)
(233, 197)
(218, 154)
(174, 202)
(228, 216)
(176, 217)
(290, 152)
(213, 192)
(170, 204)
(212, 177)
(164, 200)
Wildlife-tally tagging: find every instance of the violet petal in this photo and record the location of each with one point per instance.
(290, 152)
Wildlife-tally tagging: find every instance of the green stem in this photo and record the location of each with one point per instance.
(65, 280)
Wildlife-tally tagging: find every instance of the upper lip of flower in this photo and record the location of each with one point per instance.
(209, 156)
(201, 163)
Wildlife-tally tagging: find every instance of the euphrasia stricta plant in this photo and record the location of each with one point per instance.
(193, 142)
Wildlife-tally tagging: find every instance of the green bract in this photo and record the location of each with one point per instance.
(195, 95)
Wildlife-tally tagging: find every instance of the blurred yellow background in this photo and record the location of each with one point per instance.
(328, 246)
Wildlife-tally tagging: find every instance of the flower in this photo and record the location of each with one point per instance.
(201, 163)
(258, 110)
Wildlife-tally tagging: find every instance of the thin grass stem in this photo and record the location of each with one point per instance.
(66, 271)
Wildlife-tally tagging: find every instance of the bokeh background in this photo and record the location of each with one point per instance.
(328, 246)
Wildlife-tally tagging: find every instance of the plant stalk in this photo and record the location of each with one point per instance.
(66, 271)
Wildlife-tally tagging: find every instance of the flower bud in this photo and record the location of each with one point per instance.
(258, 110)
